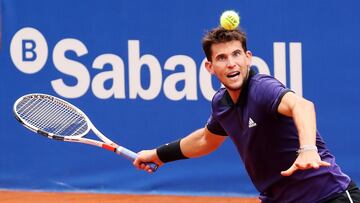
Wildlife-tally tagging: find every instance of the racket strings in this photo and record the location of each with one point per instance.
(58, 114)
(41, 111)
(38, 116)
(71, 124)
(34, 113)
(52, 116)
(25, 107)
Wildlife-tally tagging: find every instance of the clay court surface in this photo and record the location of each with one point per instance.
(58, 197)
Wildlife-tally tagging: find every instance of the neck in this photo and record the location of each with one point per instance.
(234, 94)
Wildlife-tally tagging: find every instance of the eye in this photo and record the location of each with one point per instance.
(221, 58)
(237, 53)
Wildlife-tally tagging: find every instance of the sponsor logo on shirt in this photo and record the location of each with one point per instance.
(252, 123)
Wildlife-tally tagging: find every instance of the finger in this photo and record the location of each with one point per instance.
(324, 163)
(147, 167)
(136, 163)
(290, 171)
(302, 166)
(142, 166)
(315, 165)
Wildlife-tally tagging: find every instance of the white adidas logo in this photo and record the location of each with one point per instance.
(251, 123)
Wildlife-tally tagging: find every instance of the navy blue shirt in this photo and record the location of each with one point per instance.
(267, 143)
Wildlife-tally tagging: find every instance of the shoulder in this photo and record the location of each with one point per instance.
(266, 92)
(263, 80)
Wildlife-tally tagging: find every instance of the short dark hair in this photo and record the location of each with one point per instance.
(221, 35)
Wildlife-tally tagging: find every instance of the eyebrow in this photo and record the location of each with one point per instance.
(237, 50)
(222, 54)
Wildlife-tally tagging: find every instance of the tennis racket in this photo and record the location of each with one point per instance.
(57, 119)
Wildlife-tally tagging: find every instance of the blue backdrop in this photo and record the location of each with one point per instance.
(136, 69)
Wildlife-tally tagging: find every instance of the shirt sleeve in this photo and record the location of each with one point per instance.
(268, 93)
(215, 127)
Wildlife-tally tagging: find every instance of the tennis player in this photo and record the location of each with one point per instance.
(273, 129)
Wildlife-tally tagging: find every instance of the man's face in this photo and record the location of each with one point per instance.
(230, 64)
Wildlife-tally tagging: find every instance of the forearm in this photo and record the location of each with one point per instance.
(305, 121)
(303, 113)
(197, 144)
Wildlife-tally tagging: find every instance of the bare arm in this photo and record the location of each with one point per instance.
(198, 143)
(303, 113)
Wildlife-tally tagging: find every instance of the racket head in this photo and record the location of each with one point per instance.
(51, 117)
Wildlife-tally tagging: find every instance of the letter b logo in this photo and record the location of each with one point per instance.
(28, 47)
(29, 50)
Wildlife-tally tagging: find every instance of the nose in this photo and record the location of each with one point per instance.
(231, 62)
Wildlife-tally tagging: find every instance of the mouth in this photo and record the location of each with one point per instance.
(233, 74)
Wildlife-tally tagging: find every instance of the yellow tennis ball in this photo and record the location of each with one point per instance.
(229, 20)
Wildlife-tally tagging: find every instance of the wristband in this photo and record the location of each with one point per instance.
(170, 152)
(306, 148)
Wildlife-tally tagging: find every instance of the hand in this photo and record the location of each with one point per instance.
(305, 160)
(147, 156)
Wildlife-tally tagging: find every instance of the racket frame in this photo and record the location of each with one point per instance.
(106, 144)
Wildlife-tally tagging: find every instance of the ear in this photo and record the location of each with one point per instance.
(208, 66)
(248, 57)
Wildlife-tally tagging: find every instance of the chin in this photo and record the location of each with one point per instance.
(233, 87)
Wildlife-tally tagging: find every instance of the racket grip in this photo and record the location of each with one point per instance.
(132, 156)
